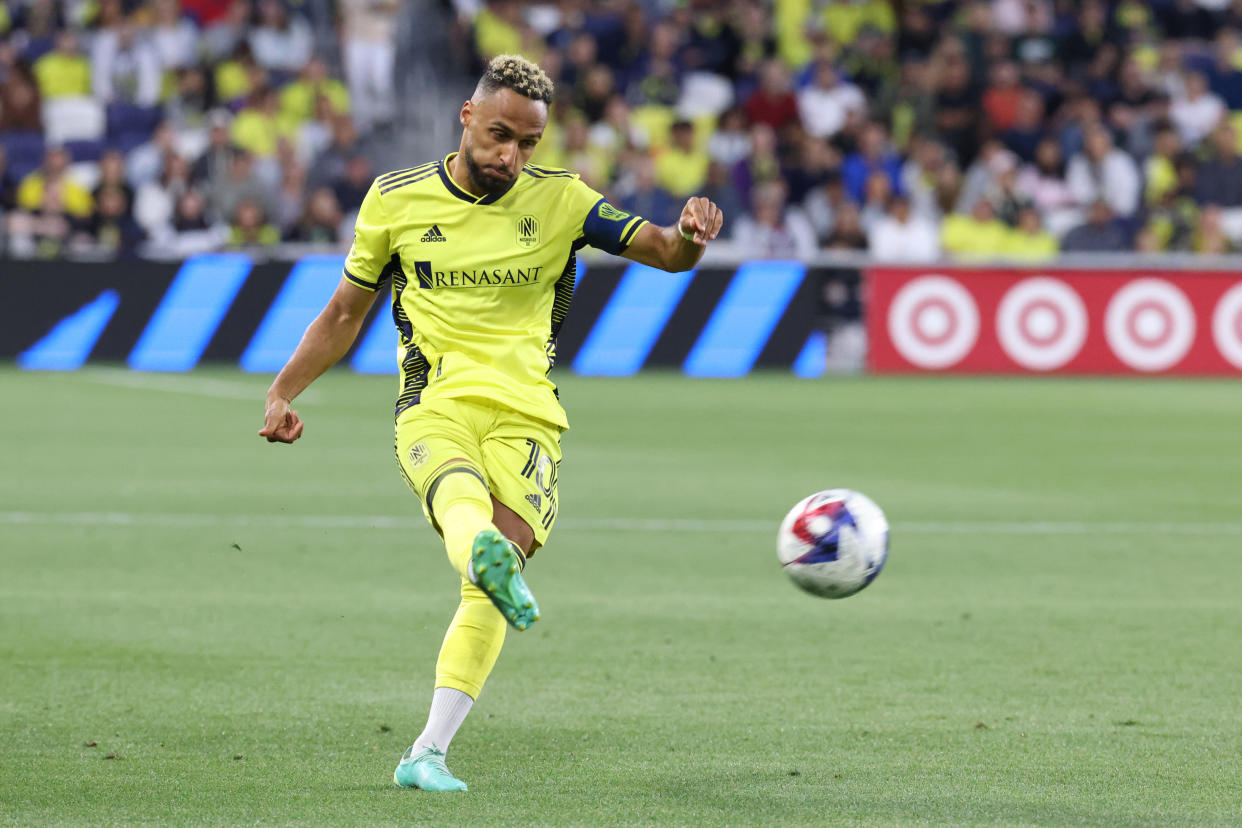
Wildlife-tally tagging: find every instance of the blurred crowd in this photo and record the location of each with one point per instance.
(172, 127)
(913, 130)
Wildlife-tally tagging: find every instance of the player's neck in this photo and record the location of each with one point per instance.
(461, 176)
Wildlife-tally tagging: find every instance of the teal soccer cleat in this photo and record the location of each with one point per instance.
(497, 573)
(426, 771)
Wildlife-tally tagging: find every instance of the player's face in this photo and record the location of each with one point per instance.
(502, 130)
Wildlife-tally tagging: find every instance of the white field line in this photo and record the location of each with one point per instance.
(177, 520)
(185, 384)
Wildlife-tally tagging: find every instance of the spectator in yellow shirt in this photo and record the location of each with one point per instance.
(50, 183)
(844, 21)
(51, 208)
(297, 100)
(1160, 170)
(251, 228)
(682, 167)
(581, 156)
(63, 72)
(498, 30)
(238, 76)
(260, 127)
(1029, 241)
(979, 235)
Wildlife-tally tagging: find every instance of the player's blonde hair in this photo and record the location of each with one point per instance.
(519, 74)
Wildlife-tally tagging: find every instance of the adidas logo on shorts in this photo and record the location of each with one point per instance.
(433, 235)
(534, 500)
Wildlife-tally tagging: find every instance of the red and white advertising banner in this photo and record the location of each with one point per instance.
(1005, 321)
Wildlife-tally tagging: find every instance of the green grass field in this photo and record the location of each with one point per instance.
(199, 627)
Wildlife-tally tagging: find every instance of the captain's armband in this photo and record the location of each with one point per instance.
(610, 229)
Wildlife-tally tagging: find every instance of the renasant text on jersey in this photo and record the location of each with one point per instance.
(496, 277)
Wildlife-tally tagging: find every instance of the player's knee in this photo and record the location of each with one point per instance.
(457, 484)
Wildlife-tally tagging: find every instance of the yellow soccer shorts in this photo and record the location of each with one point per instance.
(516, 456)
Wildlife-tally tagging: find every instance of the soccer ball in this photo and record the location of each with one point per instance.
(833, 543)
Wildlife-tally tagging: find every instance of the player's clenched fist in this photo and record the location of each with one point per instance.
(280, 422)
(700, 220)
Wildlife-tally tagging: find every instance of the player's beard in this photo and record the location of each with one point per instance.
(481, 181)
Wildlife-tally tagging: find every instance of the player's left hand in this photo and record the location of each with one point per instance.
(281, 423)
(702, 218)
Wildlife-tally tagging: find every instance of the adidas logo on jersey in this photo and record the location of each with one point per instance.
(433, 235)
(534, 500)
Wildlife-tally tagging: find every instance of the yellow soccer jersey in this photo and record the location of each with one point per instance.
(480, 285)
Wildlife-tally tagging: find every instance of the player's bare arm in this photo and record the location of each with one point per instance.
(325, 341)
(678, 248)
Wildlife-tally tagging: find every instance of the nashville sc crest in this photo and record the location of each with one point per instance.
(528, 231)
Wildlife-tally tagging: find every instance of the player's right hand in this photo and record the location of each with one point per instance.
(280, 423)
(700, 220)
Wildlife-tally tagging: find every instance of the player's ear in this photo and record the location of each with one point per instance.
(464, 116)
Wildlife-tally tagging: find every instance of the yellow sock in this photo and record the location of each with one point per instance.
(463, 508)
(471, 644)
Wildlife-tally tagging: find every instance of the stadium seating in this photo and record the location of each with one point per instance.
(961, 94)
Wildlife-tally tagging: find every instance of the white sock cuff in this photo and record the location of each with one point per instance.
(449, 707)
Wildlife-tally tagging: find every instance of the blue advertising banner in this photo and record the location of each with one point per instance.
(222, 308)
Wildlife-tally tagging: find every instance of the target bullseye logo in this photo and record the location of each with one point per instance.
(1227, 326)
(1149, 324)
(1041, 323)
(933, 321)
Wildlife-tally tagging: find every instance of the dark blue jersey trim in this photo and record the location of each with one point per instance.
(389, 176)
(397, 184)
(451, 186)
(539, 172)
(549, 170)
(362, 283)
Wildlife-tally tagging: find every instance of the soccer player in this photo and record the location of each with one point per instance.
(480, 252)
